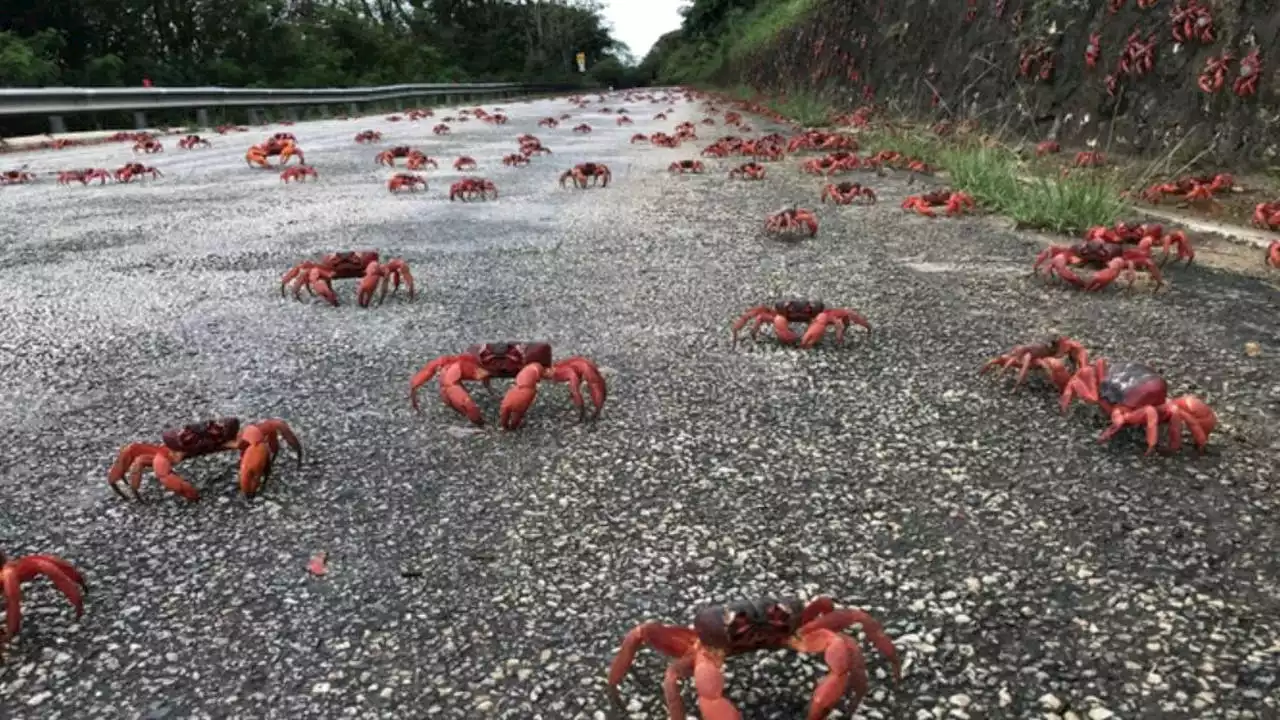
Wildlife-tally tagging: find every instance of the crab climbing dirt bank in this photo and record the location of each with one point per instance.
(1141, 75)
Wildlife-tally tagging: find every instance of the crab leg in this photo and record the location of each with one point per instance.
(60, 572)
(708, 679)
(456, 396)
(670, 640)
(162, 464)
(761, 314)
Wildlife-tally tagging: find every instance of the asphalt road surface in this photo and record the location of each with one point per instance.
(1021, 567)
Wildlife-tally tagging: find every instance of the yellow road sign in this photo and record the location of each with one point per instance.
(582, 62)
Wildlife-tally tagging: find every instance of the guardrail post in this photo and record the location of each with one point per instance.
(255, 116)
(56, 125)
(139, 120)
(202, 118)
(292, 112)
(353, 109)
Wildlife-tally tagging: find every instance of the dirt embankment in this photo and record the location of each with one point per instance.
(962, 59)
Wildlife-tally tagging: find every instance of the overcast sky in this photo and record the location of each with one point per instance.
(639, 23)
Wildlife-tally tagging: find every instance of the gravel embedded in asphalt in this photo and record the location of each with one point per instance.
(1022, 567)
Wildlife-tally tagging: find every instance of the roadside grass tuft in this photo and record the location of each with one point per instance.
(999, 179)
(760, 27)
(805, 108)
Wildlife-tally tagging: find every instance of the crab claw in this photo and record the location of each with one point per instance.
(369, 284)
(520, 397)
(587, 371)
(456, 396)
(13, 573)
(255, 460)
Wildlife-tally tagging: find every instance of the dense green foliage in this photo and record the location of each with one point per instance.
(298, 43)
(716, 32)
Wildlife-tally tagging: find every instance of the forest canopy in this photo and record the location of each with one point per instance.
(303, 43)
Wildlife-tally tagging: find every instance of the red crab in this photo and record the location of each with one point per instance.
(955, 202)
(257, 444)
(418, 160)
(1273, 254)
(368, 136)
(284, 149)
(1048, 147)
(624, 120)
(1109, 258)
(1090, 158)
(847, 193)
(1047, 356)
(406, 181)
(464, 163)
(468, 189)
(1145, 236)
(548, 122)
(527, 362)
(1193, 189)
(128, 171)
(148, 146)
(16, 177)
(193, 141)
(515, 160)
(790, 220)
(1093, 51)
(441, 129)
(832, 164)
(816, 314)
(583, 128)
(1038, 61)
(1135, 394)
(1214, 74)
(19, 570)
(684, 166)
(719, 632)
(597, 172)
(1267, 215)
(1138, 56)
(389, 157)
(318, 277)
(748, 171)
(84, 177)
(638, 138)
(1250, 72)
(1191, 21)
(299, 173)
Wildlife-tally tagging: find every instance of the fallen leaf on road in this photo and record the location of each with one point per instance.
(317, 564)
(1252, 349)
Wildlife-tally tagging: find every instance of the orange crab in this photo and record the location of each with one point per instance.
(406, 181)
(299, 173)
(257, 444)
(956, 203)
(284, 149)
(528, 362)
(318, 277)
(19, 570)
(720, 631)
(791, 219)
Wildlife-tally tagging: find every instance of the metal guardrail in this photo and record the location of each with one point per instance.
(55, 102)
(67, 101)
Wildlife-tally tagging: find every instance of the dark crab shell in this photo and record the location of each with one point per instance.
(749, 624)
(505, 359)
(1132, 385)
(349, 264)
(202, 438)
(798, 309)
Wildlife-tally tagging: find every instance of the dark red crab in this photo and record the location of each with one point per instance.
(528, 362)
(1047, 355)
(19, 570)
(790, 220)
(1135, 394)
(721, 631)
(257, 443)
(816, 314)
(1110, 260)
(318, 277)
